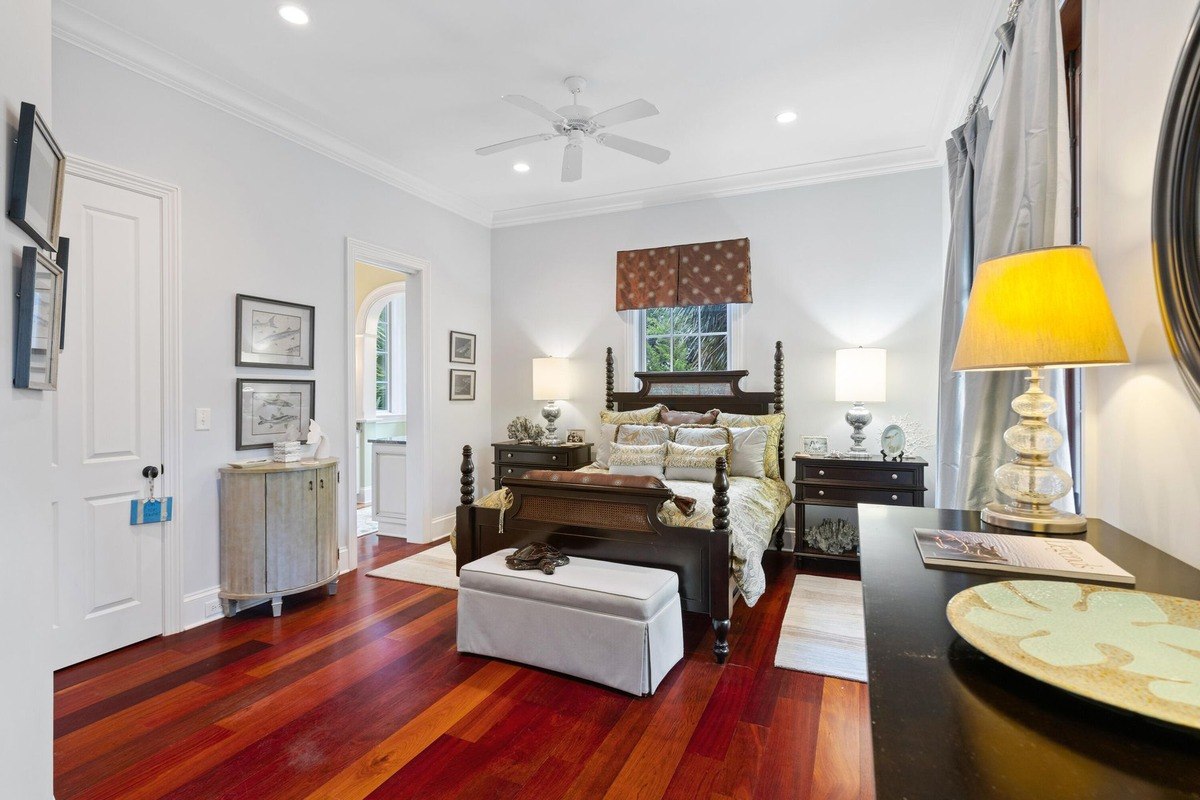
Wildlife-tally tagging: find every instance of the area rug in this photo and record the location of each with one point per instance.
(366, 525)
(432, 567)
(823, 629)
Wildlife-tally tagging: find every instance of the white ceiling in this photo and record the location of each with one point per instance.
(406, 89)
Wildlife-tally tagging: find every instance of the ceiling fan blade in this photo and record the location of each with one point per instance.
(572, 169)
(635, 109)
(634, 147)
(511, 143)
(533, 107)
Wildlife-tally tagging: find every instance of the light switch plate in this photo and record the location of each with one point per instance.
(203, 419)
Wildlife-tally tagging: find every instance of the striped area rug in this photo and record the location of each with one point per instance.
(823, 629)
(432, 567)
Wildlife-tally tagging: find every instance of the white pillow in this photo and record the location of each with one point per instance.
(749, 447)
(686, 463)
(608, 433)
(701, 435)
(636, 433)
(637, 459)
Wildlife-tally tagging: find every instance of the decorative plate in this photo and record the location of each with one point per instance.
(1133, 650)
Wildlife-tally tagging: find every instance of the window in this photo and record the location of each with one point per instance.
(686, 339)
(383, 361)
(383, 366)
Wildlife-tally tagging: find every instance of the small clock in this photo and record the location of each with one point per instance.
(892, 442)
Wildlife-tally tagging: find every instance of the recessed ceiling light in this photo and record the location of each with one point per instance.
(294, 14)
(520, 166)
(785, 117)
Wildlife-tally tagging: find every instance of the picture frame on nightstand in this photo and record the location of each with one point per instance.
(814, 445)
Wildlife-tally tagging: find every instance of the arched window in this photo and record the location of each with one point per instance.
(382, 368)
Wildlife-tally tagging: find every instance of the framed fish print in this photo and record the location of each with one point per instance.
(271, 411)
(272, 333)
(462, 347)
(462, 384)
(39, 322)
(39, 166)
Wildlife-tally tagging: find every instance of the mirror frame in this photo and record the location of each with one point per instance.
(1175, 225)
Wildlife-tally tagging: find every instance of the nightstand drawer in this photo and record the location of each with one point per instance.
(843, 473)
(534, 458)
(504, 471)
(848, 495)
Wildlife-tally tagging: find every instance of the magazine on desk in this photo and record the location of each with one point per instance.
(1024, 555)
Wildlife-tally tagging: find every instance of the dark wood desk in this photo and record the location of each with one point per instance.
(948, 722)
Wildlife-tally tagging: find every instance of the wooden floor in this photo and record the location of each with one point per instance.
(363, 695)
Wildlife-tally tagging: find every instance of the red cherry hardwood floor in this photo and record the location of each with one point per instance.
(363, 695)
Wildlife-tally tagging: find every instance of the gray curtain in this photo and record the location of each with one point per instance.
(1009, 191)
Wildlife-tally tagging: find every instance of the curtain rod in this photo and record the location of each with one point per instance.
(1013, 7)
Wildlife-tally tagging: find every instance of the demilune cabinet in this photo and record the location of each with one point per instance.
(278, 532)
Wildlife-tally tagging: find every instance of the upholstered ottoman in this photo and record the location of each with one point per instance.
(614, 624)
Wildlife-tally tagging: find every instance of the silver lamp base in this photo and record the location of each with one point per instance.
(551, 412)
(858, 418)
(1033, 520)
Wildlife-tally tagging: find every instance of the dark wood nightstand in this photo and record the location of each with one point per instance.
(513, 460)
(846, 482)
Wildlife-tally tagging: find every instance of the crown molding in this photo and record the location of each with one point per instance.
(92, 34)
(840, 169)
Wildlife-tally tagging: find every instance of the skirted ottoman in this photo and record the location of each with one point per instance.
(614, 624)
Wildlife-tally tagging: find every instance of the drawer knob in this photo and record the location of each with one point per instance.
(895, 497)
(509, 455)
(509, 470)
(820, 472)
(821, 492)
(554, 458)
(895, 476)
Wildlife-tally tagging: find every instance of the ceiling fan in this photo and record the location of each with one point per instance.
(577, 123)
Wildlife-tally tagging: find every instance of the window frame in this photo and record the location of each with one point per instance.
(635, 341)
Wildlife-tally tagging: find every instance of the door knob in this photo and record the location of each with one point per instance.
(150, 472)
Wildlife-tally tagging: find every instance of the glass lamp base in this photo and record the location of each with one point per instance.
(1042, 520)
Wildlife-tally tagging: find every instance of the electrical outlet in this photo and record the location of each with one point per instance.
(203, 419)
(212, 608)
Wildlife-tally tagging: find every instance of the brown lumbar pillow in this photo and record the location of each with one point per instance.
(673, 418)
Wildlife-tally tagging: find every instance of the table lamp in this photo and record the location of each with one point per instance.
(1036, 310)
(551, 382)
(860, 377)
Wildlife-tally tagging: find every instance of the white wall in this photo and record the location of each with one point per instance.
(840, 264)
(264, 216)
(1142, 427)
(27, 535)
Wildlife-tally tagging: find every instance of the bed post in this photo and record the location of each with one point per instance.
(720, 599)
(464, 515)
(608, 379)
(467, 483)
(782, 439)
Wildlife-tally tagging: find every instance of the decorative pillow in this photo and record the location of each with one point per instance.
(608, 434)
(686, 463)
(748, 454)
(774, 423)
(640, 415)
(637, 459)
(673, 418)
(701, 435)
(634, 433)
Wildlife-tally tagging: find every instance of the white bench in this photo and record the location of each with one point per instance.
(615, 624)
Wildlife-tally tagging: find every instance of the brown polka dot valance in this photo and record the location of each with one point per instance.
(706, 274)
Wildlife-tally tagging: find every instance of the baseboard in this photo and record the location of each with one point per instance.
(444, 525)
(344, 560)
(197, 609)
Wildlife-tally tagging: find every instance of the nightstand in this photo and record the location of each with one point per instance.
(847, 482)
(512, 460)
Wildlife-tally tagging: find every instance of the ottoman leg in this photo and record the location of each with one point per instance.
(721, 644)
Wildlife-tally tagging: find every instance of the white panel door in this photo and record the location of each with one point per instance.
(108, 422)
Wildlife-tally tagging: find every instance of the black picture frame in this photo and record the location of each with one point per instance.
(39, 322)
(469, 376)
(36, 182)
(459, 339)
(62, 257)
(246, 387)
(246, 354)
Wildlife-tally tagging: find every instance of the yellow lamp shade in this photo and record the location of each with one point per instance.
(1039, 308)
(551, 379)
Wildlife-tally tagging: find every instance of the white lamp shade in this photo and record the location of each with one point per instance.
(861, 375)
(551, 379)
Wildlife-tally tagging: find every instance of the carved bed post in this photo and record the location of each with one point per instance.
(778, 405)
(720, 618)
(467, 484)
(608, 379)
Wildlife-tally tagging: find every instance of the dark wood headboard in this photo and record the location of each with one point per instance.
(699, 391)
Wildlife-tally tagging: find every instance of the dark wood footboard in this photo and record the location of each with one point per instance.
(612, 524)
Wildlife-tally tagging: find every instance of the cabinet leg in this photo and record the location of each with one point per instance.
(229, 607)
(332, 587)
(276, 606)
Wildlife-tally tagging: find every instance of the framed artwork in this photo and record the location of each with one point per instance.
(462, 347)
(35, 203)
(271, 410)
(39, 322)
(576, 435)
(272, 333)
(815, 445)
(462, 384)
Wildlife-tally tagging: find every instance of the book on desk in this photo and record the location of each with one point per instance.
(1022, 555)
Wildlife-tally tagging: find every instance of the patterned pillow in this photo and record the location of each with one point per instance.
(748, 452)
(608, 434)
(633, 433)
(637, 459)
(674, 418)
(640, 415)
(686, 463)
(701, 435)
(774, 423)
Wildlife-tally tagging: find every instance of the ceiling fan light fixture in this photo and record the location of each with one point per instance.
(786, 117)
(521, 167)
(294, 14)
